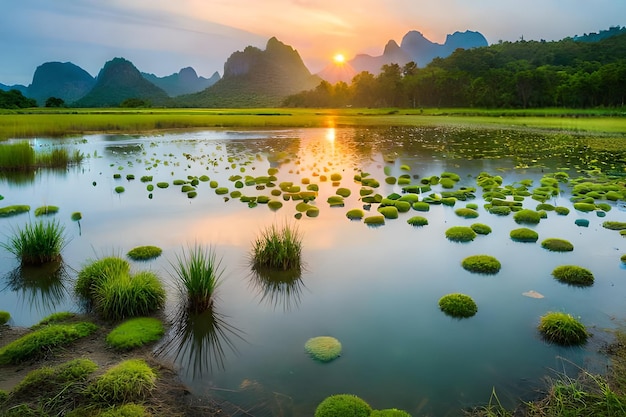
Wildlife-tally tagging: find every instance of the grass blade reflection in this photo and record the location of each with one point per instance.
(278, 288)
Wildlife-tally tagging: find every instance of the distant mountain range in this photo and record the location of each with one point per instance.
(186, 81)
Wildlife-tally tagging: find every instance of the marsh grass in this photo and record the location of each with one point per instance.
(278, 248)
(21, 156)
(135, 333)
(37, 243)
(197, 272)
(128, 381)
(97, 271)
(562, 329)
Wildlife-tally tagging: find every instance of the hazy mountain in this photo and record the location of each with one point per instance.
(186, 81)
(415, 47)
(19, 87)
(119, 80)
(256, 78)
(63, 80)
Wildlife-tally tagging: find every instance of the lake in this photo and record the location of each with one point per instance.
(375, 289)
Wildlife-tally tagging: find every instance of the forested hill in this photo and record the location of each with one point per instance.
(522, 74)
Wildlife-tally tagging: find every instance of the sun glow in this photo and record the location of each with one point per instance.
(339, 59)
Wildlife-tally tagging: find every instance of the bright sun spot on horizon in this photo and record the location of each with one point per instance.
(339, 58)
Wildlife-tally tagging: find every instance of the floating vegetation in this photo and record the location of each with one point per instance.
(562, 329)
(355, 214)
(584, 207)
(499, 210)
(581, 222)
(527, 216)
(574, 275)
(460, 234)
(144, 253)
(391, 180)
(481, 229)
(335, 177)
(557, 245)
(277, 248)
(421, 206)
(482, 264)
(117, 176)
(335, 201)
(343, 405)
(374, 220)
(130, 177)
(524, 234)
(163, 184)
(46, 210)
(134, 333)
(221, 190)
(14, 210)
(417, 221)
(37, 243)
(562, 211)
(274, 204)
(389, 212)
(623, 258)
(466, 213)
(613, 225)
(458, 305)
(323, 348)
(119, 189)
(313, 211)
(5, 316)
(344, 192)
(146, 178)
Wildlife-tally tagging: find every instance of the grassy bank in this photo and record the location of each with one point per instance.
(72, 122)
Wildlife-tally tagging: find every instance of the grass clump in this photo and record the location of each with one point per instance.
(460, 234)
(355, 214)
(458, 305)
(482, 264)
(574, 275)
(557, 245)
(481, 229)
(417, 221)
(41, 341)
(323, 348)
(144, 253)
(129, 381)
(46, 210)
(97, 271)
(524, 234)
(562, 329)
(527, 216)
(613, 225)
(466, 213)
(135, 332)
(13, 210)
(38, 243)
(344, 405)
(5, 316)
(54, 318)
(48, 378)
(278, 249)
(197, 272)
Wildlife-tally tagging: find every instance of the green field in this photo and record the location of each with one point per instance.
(74, 122)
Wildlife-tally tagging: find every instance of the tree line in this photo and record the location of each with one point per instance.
(522, 74)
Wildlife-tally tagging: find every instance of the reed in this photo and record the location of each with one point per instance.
(278, 248)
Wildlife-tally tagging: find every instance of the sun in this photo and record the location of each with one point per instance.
(339, 59)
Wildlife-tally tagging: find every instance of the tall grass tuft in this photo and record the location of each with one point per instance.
(198, 273)
(278, 249)
(16, 156)
(37, 243)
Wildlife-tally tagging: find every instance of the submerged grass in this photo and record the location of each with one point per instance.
(37, 243)
(278, 248)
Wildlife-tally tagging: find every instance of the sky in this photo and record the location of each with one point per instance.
(163, 36)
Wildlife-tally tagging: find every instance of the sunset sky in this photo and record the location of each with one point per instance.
(162, 36)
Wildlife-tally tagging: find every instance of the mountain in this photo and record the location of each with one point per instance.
(21, 88)
(63, 80)
(256, 78)
(415, 47)
(186, 81)
(119, 80)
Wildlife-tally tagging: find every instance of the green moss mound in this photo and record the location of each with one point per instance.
(389, 212)
(623, 258)
(126, 410)
(374, 220)
(135, 332)
(557, 245)
(323, 348)
(524, 234)
(5, 316)
(46, 210)
(417, 221)
(574, 275)
(482, 264)
(47, 379)
(14, 210)
(561, 211)
(163, 184)
(526, 216)
(500, 210)
(335, 201)
(355, 214)
(58, 317)
(344, 192)
(76, 216)
(481, 229)
(612, 225)
(458, 305)
(562, 329)
(119, 189)
(584, 207)
(460, 234)
(129, 381)
(144, 253)
(41, 341)
(343, 405)
(274, 204)
(421, 206)
(390, 412)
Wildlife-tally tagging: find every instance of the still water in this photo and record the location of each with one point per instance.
(374, 289)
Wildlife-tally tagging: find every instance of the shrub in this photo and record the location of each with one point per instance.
(563, 329)
(95, 272)
(483, 264)
(37, 243)
(46, 210)
(5, 316)
(524, 234)
(355, 214)
(344, 405)
(135, 333)
(612, 225)
(323, 348)
(278, 248)
(458, 305)
(41, 341)
(572, 274)
(389, 212)
(390, 412)
(374, 220)
(481, 229)
(460, 234)
(128, 381)
(557, 245)
(144, 253)
(526, 216)
(417, 221)
(197, 273)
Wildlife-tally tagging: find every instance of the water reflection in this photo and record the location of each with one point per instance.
(278, 288)
(199, 343)
(16, 178)
(40, 287)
